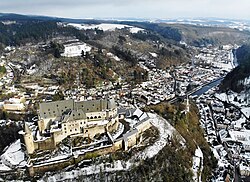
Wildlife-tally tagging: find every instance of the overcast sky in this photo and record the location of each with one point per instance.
(236, 9)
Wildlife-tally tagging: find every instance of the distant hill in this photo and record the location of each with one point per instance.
(236, 80)
(196, 35)
(33, 31)
(161, 39)
(216, 34)
(204, 35)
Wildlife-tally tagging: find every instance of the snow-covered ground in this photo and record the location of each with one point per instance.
(105, 27)
(13, 156)
(224, 66)
(109, 54)
(240, 100)
(4, 168)
(197, 164)
(102, 26)
(165, 131)
(135, 29)
(153, 54)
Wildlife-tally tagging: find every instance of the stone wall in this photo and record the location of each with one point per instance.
(143, 126)
(58, 165)
(47, 144)
(127, 141)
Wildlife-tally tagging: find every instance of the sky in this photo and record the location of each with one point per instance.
(160, 9)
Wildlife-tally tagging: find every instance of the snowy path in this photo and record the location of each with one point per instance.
(197, 164)
(165, 130)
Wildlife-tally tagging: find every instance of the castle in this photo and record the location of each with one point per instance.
(70, 120)
(60, 119)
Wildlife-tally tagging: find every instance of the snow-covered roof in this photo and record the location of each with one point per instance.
(137, 113)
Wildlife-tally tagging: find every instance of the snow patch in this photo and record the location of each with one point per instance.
(197, 164)
(13, 156)
(102, 26)
(135, 29)
(153, 54)
(109, 54)
(105, 27)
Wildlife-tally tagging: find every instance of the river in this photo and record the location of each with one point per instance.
(207, 87)
(212, 84)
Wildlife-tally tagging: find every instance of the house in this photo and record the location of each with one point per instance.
(75, 49)
(14, 104)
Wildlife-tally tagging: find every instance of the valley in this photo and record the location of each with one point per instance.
(113, 100)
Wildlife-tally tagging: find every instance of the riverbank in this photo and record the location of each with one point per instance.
(207, 87)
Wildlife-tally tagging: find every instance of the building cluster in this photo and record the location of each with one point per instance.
(14, 104)
(208, 65)
(216, 57)
(86, 122)
(225, 119)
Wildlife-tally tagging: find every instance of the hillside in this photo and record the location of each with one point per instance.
(155, 43)
(114, 53)
(204, 35)
(174, 158)
(194, 34)
(91, 59)
(174, 32)
(237, 80)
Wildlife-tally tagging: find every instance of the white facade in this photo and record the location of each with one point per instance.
(75, 49)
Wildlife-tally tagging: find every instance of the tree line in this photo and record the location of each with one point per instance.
(235, 79)
(34, 31)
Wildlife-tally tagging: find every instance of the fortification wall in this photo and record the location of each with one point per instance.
(60, 164)
(47, 144)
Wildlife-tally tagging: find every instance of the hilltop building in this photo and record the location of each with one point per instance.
(97, 124)
(60, 119)
(75, 49)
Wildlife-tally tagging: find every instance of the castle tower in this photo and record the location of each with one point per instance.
(28, 139)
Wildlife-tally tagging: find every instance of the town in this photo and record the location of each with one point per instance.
(207, 65)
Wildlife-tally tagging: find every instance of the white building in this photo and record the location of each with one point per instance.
(75, 49)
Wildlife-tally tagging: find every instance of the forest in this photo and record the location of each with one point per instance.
(34, 31)
(235, 79)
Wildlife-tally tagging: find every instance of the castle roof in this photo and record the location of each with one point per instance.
(60, 108)
(74, 115)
